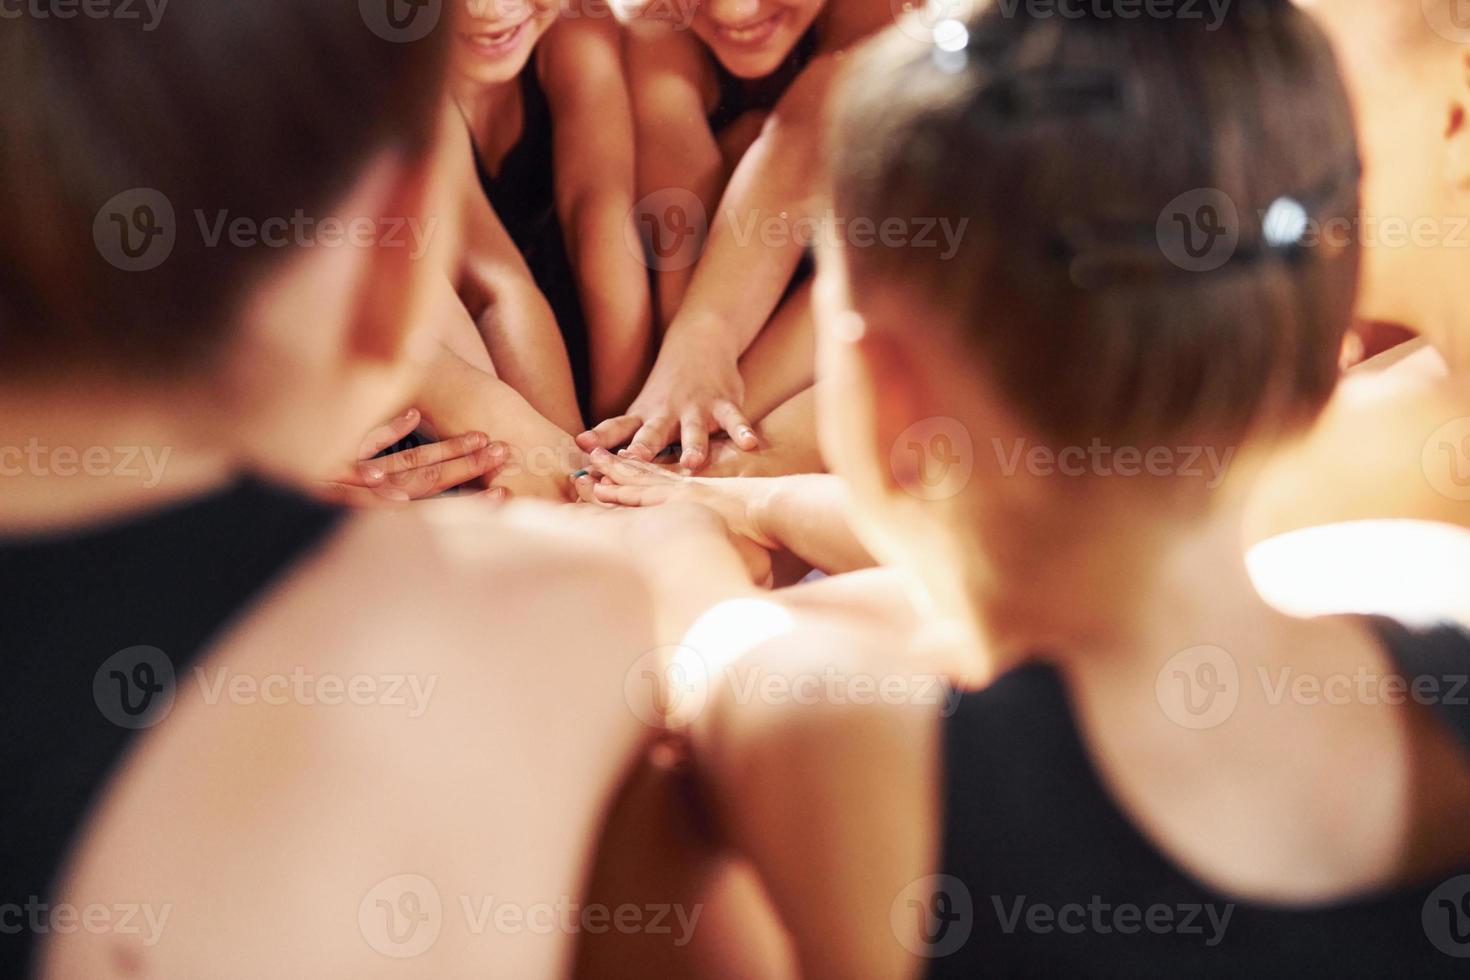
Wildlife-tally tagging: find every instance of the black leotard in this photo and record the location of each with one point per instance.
(97, 628)
(523, 195)
(1045, 875)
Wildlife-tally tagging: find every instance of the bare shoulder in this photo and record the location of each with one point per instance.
(823, 700)
(816, 746)
(430, 711)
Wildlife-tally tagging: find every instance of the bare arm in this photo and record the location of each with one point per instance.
(539, 456)
(766, 220)
(679, 161)
(861, 773)
(595, 178)
(511, 314)
(805, 515)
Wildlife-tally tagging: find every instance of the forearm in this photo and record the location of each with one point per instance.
(762, 228)
(460, 398)
(614, 289)
(529, 354)
(781, 363)
(807, 515)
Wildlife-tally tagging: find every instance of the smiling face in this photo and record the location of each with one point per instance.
(493, 39)
(751, 38)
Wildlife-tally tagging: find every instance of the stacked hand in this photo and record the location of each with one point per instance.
(631, 482)
(424, 471)
(689, 394)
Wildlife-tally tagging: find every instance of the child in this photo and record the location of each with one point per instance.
(545, 103)
(729, 113)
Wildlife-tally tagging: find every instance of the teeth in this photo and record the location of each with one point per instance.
(745, 35)
(495, 39)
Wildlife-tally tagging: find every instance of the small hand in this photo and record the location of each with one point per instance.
(424, 471)
(689, 395)
(633, 483)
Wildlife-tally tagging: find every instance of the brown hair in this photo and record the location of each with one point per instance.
(1073, 145)
(258, 108)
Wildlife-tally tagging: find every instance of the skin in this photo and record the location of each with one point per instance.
(319, 804)
(1381, 449)
(1148, 574)
(696, 386)
(578, 60)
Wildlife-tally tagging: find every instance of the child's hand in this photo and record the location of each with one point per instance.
(690, 393)
(632, 483)
(424, 471)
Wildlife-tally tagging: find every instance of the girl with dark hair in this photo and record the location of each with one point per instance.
(541, 86)
(1156, 773)
(729, 101)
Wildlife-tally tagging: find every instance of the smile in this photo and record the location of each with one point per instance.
(752, 34)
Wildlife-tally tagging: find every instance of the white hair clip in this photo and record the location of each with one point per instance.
(951, 43)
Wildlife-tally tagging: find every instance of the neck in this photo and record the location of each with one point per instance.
(1118, 581)
(493, 114)
(93, 451)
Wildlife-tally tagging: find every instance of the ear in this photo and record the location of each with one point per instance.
(897, 408)
(1457, 132)
(398, 266)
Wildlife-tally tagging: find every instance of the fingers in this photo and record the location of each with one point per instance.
(652, 438)
(433, 453)
(694, 437)
(630, 472)
(729, 417)
(435, 478)
(584, 486)
(388, 433)
(609, 434)
(613, 493)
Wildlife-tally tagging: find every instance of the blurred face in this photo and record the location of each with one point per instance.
(1410, 95)
(752, 37)
(493, 39)
(895, 411)
(302, 401)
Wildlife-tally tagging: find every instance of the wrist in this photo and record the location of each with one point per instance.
(704, 336)
(762, 506)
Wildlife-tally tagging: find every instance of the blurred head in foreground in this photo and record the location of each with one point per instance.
(227, 217)
(1135, 306)
(1407, 66)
